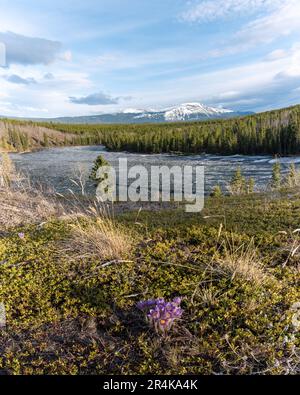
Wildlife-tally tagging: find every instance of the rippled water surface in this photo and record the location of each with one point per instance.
(56, 166)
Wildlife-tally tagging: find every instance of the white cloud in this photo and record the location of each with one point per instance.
(255, 86)
(283, 21)
(133, 71)
(54, 84)
(276, 54)
(209, 10)
(283, 18)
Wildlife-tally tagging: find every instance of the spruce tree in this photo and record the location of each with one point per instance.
(238, 183)
(276, 175)
(46, 140)
(216, 192)
(250, 185)
(99, 162)
(291, 180)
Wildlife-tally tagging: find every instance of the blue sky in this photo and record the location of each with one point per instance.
(97, 56)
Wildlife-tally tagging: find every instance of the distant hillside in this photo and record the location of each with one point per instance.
(26, 136)
(183, 112)
(273, 132)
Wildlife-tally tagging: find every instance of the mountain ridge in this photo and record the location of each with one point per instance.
(183, 112)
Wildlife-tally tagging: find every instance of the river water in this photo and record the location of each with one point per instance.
(56, 167)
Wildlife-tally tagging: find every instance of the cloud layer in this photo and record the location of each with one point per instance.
(240, 54)
(16, 79)
(95, 99)
(29, 50)
(204, 11)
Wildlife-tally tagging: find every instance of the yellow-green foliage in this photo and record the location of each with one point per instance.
(77, 317)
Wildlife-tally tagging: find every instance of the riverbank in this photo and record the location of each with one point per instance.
(57, 167)
(70, 284)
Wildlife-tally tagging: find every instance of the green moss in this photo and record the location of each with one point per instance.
(76, 317)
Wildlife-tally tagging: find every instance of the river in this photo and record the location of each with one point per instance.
(56, 166)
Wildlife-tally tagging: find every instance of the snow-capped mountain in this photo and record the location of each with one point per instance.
(189, 110)
(134, 111)
(183, 112)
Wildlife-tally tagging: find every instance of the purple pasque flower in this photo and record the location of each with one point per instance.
(161, 314)
(177, 300)
(21, 235)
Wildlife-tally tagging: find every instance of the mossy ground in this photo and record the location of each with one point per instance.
(67, 316)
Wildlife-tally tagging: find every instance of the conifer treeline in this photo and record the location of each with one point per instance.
(274, 132)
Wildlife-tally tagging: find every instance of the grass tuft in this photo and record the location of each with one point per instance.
(243, 262)
(102, 238)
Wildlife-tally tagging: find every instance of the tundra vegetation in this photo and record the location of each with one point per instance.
(75, 277)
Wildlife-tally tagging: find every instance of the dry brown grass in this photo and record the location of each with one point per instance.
(8, 173)
(100, 238)
(94, 234)
(208, 296)
(20, 203)
(241, 262)
(25, 207)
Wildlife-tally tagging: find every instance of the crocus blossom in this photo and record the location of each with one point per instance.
(161, 314)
